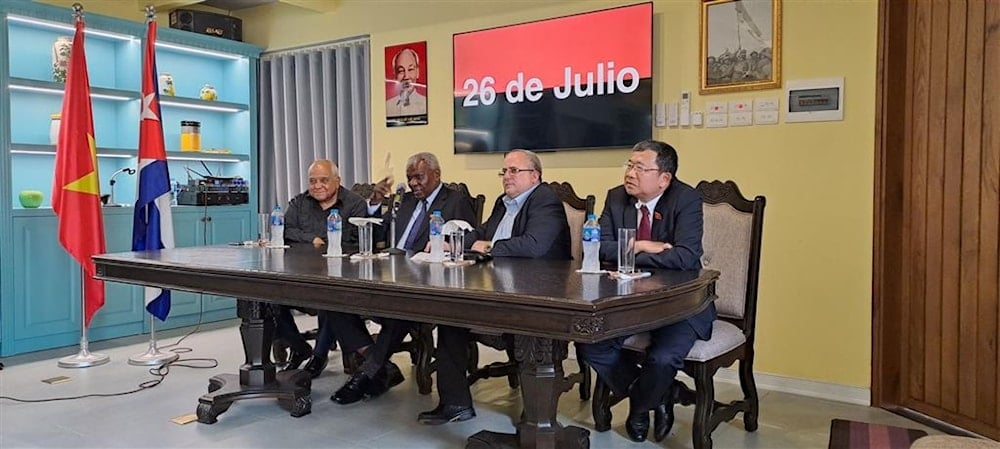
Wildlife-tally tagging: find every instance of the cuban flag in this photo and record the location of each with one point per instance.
(153, 227)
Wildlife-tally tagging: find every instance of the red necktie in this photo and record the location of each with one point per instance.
(645, 230)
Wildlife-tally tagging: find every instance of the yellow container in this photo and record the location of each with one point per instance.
(190, 136)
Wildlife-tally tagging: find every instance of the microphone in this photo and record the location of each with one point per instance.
(398, 197)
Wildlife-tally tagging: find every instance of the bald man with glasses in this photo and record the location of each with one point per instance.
(528, 220)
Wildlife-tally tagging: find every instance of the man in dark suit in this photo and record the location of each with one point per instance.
(528, 220)
(667, 216)
(377, 374)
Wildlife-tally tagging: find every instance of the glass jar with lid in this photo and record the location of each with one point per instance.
(190, 135)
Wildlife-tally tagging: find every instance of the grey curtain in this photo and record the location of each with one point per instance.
(315, 103)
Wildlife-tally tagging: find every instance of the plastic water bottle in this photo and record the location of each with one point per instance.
(591, 244)
(277, 226)
(437, 236)
(334, 225)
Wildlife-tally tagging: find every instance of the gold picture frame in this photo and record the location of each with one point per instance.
(740, 45)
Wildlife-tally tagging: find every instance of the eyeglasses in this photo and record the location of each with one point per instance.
(628, 166)
(513, 170)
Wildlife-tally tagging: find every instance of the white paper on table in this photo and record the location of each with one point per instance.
(454, 225)
(361, 221)
(629, 276)
(426, 258)
(358, 256)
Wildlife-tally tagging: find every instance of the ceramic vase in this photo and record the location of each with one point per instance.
(166, 82)
(208, 93)
(60, 57)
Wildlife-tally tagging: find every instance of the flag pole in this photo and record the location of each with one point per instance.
(84, 358)
(153, 355)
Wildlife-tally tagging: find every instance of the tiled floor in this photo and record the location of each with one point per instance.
(143, 419)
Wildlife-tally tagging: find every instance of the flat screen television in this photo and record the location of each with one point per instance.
(576, 82)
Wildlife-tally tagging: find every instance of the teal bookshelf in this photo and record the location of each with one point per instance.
(39, 281)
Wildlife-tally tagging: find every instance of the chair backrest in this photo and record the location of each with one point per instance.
(577, 210)
(478, 201)
(732, 242)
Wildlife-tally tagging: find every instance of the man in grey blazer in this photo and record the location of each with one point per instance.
(528, 220)
(427, 194)
(667, 216)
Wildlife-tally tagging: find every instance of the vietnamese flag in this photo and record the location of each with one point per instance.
(76, 196)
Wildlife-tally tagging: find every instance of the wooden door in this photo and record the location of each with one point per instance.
(937, 218)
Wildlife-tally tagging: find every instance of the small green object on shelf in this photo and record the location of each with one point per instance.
(30, 198)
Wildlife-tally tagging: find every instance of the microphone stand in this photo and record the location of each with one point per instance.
(393, 211)
(111, 200)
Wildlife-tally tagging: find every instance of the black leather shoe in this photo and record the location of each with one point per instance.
(296, 360)
(387, 377)
(663, 414)
(443, 414)
(316, 365)
(393, 376)
(637, 425)
(353, 391)
(663, 420)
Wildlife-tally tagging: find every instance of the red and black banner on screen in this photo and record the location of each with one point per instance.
(582, 81)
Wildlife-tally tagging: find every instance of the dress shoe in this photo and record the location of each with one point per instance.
(663, 420)
(354, 390)
(296, 360)
(443, 414)
(637, 425)
(316, 365)
(387, 377)
(393, 376)
(663, 414)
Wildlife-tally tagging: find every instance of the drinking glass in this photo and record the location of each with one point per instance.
(263, 229)
(626, 250)
(457, 242)
(365, 239)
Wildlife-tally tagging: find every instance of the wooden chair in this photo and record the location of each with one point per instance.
(732, 243)
(577, 210)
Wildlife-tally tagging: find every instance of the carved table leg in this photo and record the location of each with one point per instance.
(540, 363)
(257, 377)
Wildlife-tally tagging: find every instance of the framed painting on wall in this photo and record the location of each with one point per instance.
(406, 84)
(740, 45)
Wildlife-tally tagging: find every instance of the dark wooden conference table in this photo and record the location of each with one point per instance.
(544, 304)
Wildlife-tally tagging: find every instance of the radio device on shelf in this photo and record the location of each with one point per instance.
(214, 191)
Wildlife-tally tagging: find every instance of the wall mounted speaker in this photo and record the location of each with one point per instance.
(209, 23)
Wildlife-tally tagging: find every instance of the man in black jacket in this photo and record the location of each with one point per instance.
(528, 220)
(305, 222)
(423, 175)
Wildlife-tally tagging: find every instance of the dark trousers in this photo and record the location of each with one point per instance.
(390, 336)
(351, 331)
(327, 334)
(452, 361)
(664, 357)
(286, 330)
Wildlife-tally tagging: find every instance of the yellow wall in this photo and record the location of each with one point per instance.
(815, 292)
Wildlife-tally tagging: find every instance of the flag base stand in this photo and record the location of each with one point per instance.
(152, 356)
(84, 359)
